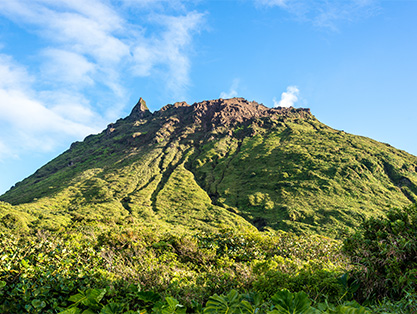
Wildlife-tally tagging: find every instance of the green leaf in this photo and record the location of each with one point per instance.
(38, 304)
(148, 296)
(173, 306)
(288, 303)
(77, 298)
(346, 309)
(223, 304)
(2, 284)
(72, 310)
(93, 297)
(247, 308)
(170, 306)
(24, 263)
(112, 308)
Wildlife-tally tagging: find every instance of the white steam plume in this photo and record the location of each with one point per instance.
(288, 98)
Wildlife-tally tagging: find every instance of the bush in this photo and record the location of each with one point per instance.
(385, 248)
(39, 272)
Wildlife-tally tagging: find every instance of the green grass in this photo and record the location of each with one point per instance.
(283, 172)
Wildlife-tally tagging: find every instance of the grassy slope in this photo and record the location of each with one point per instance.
(306, 176)
(292, 174)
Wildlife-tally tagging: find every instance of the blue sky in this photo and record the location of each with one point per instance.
(70, 67)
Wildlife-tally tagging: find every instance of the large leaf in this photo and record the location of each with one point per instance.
(94, 297)
(91, 298)
(286, 302)
(221, 304)
(148, 296)
(72, 310)
(345, 309)
(112, 308)
(170, 306)
(78, 298)
(246, 308)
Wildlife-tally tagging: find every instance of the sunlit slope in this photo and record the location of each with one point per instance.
(305, 175)
(205, 166)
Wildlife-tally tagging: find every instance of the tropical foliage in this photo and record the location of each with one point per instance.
(97, 269)
(193, 210)
(385, 249)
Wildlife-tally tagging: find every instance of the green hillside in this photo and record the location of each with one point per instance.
(213, 164)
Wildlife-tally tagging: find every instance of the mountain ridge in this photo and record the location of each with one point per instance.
(223, 161)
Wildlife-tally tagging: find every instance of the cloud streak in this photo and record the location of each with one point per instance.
(168, 53)
(323, 13)
(30, 124)
(94, 42)
(89, 49)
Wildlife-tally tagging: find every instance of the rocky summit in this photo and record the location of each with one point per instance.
(215, 164)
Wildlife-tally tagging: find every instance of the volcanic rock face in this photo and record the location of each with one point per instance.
(140, 110)
(229, 112)
(180, 119)
(220, 162)
(220, 112)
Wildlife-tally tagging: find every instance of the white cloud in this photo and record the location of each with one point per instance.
(103, 42)
(83, 26)
(232, 91)
(324, 13)
(5, 152)
(167, 53)
(69, 105)
(30, 123)
(288, 98)
(68, 67)
(31, 116)
(271, 3)
(12, 75)
(156, 4)
(90, 49)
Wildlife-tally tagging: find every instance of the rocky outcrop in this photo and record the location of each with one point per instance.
(212, 114)
(229, 112)
(140, 111)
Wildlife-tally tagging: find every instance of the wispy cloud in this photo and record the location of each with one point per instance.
(156, 4)
(232, 91)
(288, 98)
(324, 13)
(5, 152)
(94, 42)
(68, 67)
(167, 54)
(271, 3)
(30, 124)
(89, 45)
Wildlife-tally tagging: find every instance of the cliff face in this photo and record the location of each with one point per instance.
(220, 162)
(211, 114)
(140, 110)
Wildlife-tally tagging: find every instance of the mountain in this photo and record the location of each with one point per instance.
(216, 163)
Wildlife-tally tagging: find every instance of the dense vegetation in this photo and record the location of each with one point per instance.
(42, 271)
(119, 269)
(221, 207)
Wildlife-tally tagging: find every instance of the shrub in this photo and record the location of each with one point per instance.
(385, 248)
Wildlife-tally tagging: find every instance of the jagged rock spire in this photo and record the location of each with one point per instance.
(140, 110)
